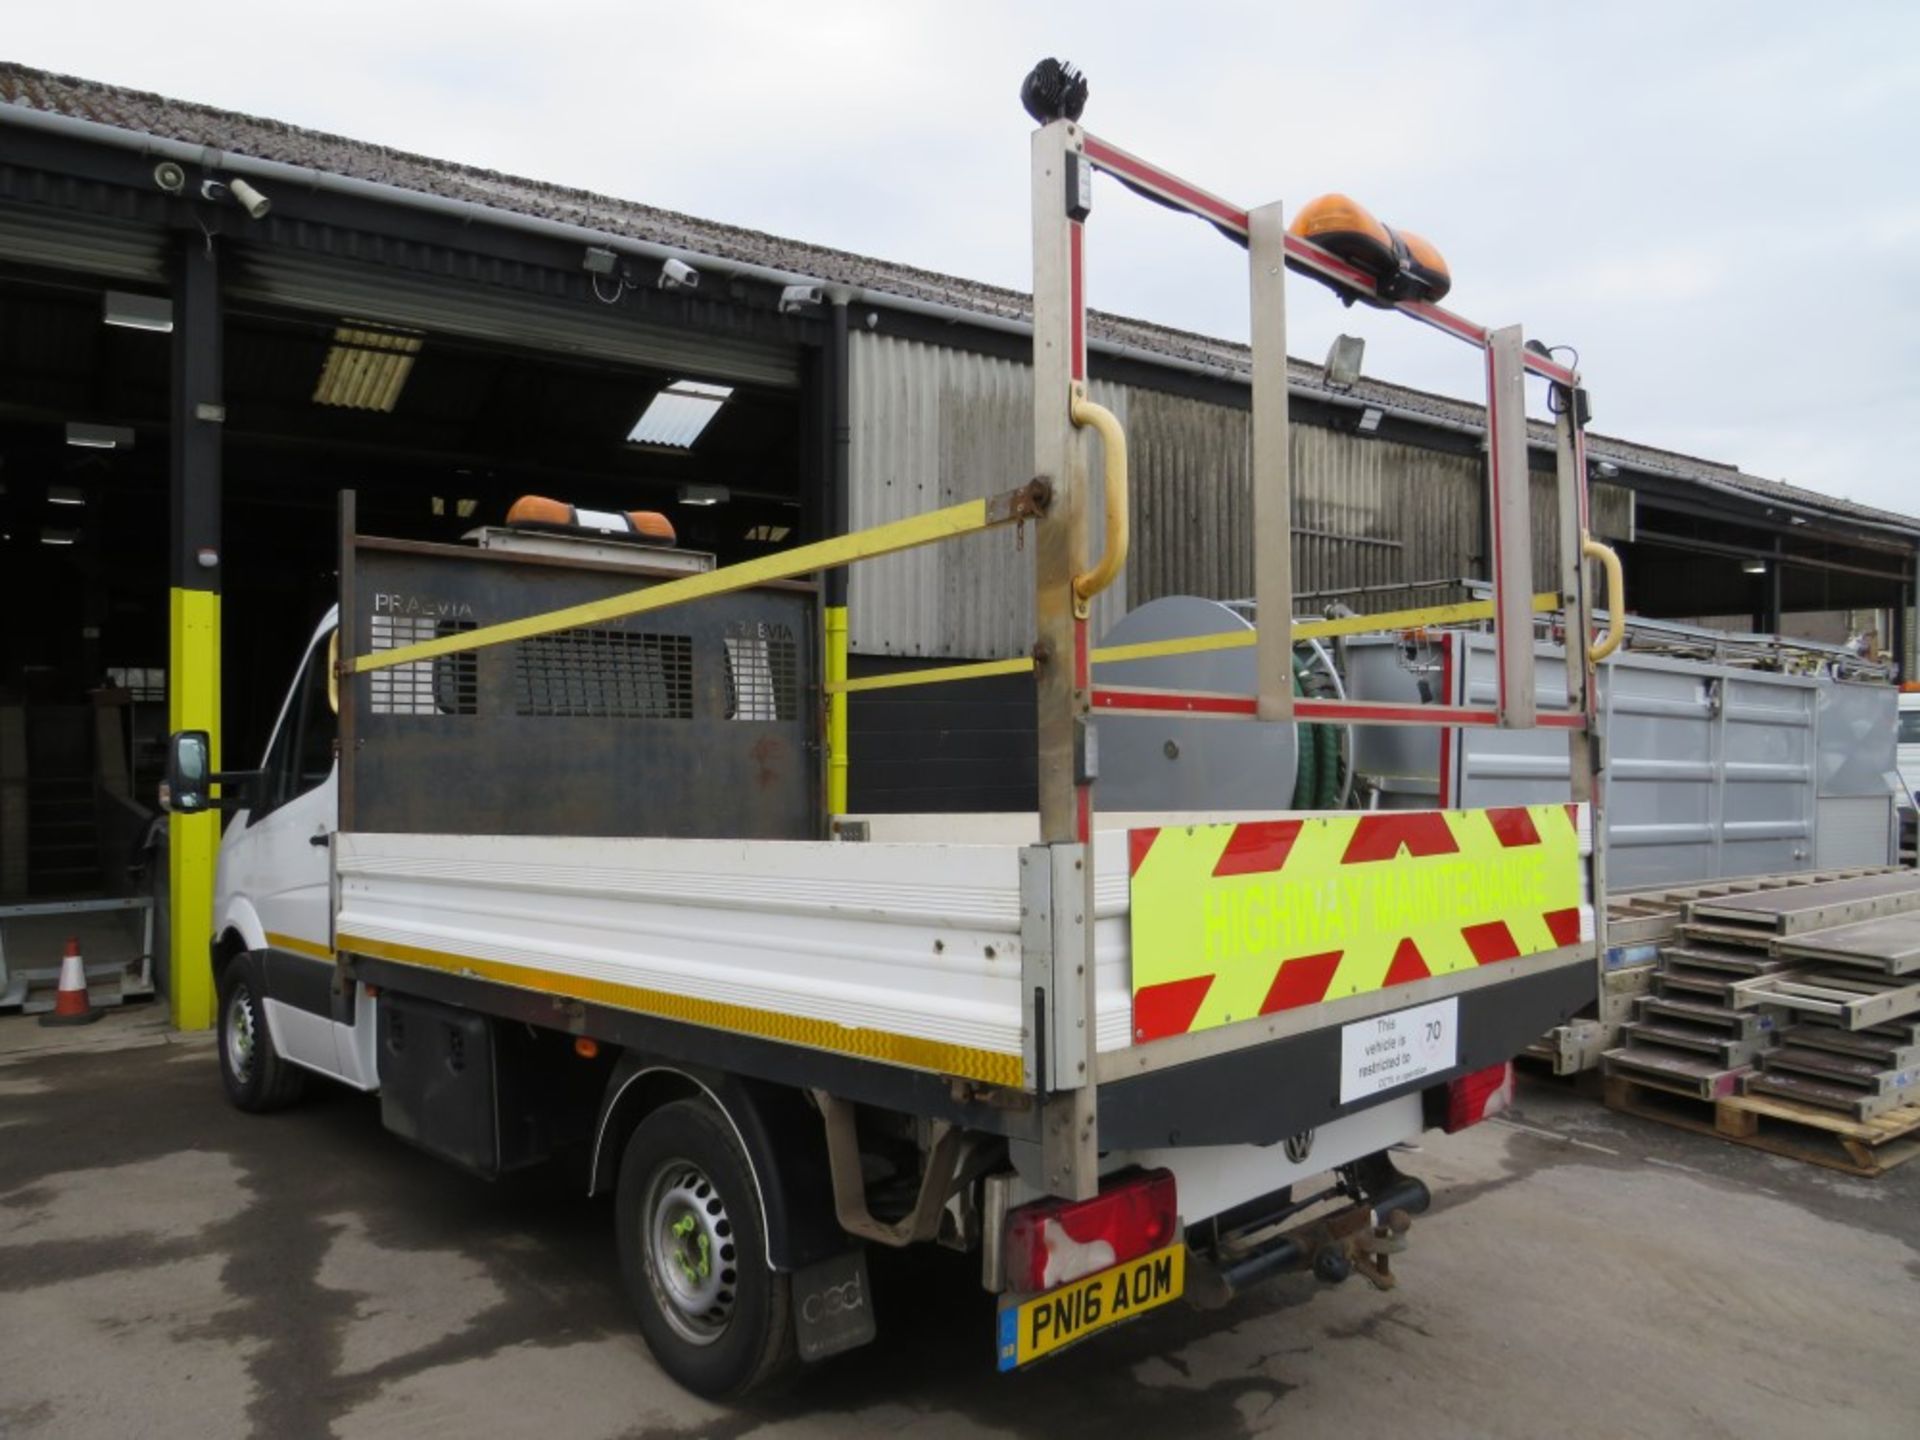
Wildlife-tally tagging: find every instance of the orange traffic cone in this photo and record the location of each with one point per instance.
(71, 1005)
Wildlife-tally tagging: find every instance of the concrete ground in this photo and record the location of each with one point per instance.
(169, 1267)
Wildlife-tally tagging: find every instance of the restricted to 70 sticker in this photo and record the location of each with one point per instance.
(1386, 1051)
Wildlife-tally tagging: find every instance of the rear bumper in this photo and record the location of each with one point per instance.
(1267, 1093)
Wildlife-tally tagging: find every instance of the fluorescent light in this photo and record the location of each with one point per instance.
(366, 369)
(1754, 567)
(66, 495)
(138, 312)
(1370, 419)
(98, 437)
(676, 416)
(51, 536)
(704, 494)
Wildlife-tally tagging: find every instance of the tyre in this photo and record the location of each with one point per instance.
(256, 1078)
(693, 1253)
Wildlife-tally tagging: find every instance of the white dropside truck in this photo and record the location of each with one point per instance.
(550, 849)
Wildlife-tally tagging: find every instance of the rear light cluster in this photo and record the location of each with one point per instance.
(1479, 1096)
(1051, 1242)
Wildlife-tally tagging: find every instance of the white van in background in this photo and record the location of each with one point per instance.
(1909, 753)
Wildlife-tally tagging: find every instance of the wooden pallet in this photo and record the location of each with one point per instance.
(1866, 1148)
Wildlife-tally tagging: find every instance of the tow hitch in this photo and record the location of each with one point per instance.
(1250, 1244)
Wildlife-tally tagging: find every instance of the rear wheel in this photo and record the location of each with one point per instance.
(256, 1078)
(693, 1252)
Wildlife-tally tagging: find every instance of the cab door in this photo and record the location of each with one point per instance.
(281, 860)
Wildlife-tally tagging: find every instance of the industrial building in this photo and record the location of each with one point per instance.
(211, 324)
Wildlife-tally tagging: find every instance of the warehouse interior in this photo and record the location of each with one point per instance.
(460, 433)
(438, 439)
(186, 387)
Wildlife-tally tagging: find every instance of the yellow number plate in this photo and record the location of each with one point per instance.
(1032, 1328)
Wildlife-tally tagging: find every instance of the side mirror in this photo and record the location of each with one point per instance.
(189, 769)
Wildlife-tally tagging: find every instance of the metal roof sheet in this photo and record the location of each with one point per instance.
(265, 139)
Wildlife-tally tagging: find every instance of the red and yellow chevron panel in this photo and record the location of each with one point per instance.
(1230, 922)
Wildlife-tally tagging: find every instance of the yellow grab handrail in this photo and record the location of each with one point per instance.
(1113, 440)
(1592, 549)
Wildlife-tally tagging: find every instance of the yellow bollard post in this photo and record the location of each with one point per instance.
(836, 668)
(193, 841)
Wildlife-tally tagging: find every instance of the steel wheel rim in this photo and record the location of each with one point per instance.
(690, 1252)
(240, 1034)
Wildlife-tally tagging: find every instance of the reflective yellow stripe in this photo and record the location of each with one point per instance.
(1422, 618)
(887, 539)
(311, 949)
(965, 1061)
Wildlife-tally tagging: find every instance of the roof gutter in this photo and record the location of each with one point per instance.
(471, 212)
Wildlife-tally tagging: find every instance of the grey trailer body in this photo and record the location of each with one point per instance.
(1712, 770)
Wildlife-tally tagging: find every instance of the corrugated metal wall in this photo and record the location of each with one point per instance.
(934, 426)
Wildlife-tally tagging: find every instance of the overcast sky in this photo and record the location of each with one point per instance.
(1719, 204)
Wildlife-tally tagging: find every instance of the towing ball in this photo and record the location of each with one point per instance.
(1331, 1264)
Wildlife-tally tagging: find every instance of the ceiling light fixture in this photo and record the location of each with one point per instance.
(704, 494)
(137, 312)
(679, 414)
(98, 437)
(66, 495)
(1754, 567)
(51, 536)
(366, 368)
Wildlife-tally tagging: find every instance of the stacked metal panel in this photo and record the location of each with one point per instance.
(1809, 993)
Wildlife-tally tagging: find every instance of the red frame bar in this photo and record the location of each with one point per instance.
(1144, 701)
(1301, 254)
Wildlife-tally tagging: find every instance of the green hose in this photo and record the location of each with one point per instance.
(1317, 779)
(1306, 775)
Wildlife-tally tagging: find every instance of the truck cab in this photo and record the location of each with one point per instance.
(274, 958)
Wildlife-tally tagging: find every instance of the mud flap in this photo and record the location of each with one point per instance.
(833, 1306)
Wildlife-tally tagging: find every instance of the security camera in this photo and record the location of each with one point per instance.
(170, 177)
(678, 275)
(249, 199)
(798, 297)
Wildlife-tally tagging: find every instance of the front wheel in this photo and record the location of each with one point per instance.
(693, 1252)
(256, 1078)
